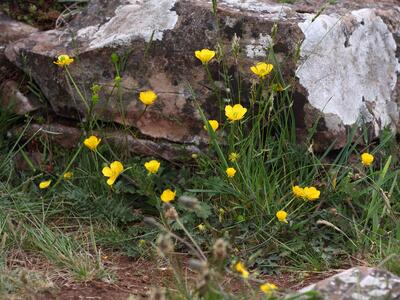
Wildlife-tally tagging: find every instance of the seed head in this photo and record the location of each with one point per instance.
(220, 249)
(164, 244)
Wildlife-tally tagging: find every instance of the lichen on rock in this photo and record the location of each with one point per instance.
(134, 19)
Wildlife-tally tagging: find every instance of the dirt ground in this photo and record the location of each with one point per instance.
(137, 277)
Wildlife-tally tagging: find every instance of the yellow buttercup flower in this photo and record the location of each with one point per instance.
(282, 215)
(113, 171)
(233, 156)
(63, 60)
(152, 166)
(201, 227)
(92, 142)
(44, 184)
(204, 55)
(230, 172)
(240, 268)
(367, 159)
(311, 193)
(235, 113)
(195, 155)
(268, 288)
(168, 195)
(262, 69)
(214, 125)
(68, 175)
(298, 191)
(147, 97)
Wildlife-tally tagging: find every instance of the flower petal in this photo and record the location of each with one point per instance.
(107, 172)
(117, 167)
(111, 180)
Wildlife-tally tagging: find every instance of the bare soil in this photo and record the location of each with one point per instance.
(138, 277)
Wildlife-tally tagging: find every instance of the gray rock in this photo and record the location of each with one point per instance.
(347, 72)
(13, 99)
(360, 283)
(10, 31)
(69, 137)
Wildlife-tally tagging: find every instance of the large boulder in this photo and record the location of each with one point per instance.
(344, 60)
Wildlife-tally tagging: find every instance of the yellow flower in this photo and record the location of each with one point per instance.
(64, 60)
(268, 288)
(152, 166)
(298, 191)
(367, 159)
(147, 97)
(233, 156)
(195, 155)
(92, 142)
(230, 172)
(240, 268)
(235, 113)
(278, 87)
(282, 215)
(44, 184)
(213, 123)
(204, 55)
(311, 193)
(168, 195)
(68, 175)
(201, 227)
(262, 69)
(113, 171)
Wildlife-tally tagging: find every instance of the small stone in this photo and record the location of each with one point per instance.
(358, 283)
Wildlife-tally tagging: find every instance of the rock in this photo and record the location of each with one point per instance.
(69, 137)
(36, 161)
(11, 98)
(346, 74)
(10, 31)
(65, 136)
(360, 283)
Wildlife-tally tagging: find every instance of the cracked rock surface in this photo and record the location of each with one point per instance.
(347, 73)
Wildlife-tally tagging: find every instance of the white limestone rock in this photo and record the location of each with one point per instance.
(349, 68)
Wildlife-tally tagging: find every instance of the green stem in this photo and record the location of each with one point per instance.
(67, 168)
(77, 89)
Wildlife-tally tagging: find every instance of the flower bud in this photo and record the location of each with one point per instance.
(117, 80)
(95, 88)
(170, 211)
(114, 58)
(95, 98)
